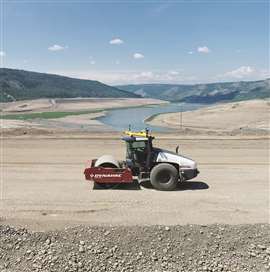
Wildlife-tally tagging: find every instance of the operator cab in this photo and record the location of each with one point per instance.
(139, 150)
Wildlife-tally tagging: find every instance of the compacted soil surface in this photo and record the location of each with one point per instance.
(216, 222)
(44, 186)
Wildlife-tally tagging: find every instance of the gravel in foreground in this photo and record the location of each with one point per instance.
(154, 248)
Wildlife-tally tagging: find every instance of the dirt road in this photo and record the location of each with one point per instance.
(44, 187)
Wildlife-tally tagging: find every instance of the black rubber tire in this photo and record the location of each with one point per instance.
(164, 177)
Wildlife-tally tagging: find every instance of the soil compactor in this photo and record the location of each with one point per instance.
(143, 162)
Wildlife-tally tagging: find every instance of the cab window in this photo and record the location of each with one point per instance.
(138, 145)
(135, 148)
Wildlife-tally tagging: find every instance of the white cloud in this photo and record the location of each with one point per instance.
(173, 73)
(147, 75)
(131, 77)
(265, 73)
(2, 54)
(241, 72)
(117, 62)
(138, 56)
(203, 49)
(116, 41)
(190, 52)
(244, 73)
(57, 47)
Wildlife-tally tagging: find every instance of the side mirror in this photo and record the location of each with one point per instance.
(177, 149)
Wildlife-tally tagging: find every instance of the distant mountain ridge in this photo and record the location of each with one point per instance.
(21, 85)
(203, 93)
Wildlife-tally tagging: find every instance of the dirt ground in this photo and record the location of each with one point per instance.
(74, 104)
(230, 118)
(43, 184)
(189, 248)
(68, 124)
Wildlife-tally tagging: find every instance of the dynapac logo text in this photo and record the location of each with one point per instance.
(105, 175)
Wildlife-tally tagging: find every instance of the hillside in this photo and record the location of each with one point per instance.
(245, 117)
(22, 85)
(203, 93)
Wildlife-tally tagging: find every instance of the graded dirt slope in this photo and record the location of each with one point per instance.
(27, 106)
(74, 104)
(245, 116)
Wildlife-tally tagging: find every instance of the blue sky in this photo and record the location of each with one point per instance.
(134, 42)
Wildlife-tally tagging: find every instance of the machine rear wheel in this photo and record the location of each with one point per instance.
(164, 177)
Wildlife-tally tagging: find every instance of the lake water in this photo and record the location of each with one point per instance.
(120, 119)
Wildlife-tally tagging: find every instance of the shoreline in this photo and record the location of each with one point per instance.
(72, 119)
(238, 118)
(243, 118)
(69, 113)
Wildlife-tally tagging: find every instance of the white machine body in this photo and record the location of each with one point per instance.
(187, 167)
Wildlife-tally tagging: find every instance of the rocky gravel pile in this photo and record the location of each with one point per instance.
(153, 248)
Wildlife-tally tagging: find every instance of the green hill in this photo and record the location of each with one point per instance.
(203, 93)
(21, 85)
